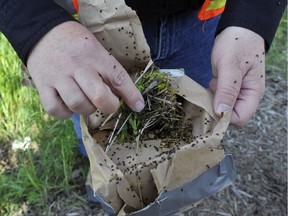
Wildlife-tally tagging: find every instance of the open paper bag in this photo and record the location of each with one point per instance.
(156, 180)
(125, 181)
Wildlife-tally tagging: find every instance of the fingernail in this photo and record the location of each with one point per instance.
(139, 105)
(223, 108)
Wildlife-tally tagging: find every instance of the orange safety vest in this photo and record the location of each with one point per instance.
(209, 9)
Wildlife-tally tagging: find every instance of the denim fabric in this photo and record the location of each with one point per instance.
(182, 41)
(77, 129)
(177, 41)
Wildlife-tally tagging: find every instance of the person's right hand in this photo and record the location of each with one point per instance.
(74, 73)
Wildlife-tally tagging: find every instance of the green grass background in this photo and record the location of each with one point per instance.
(43, 171)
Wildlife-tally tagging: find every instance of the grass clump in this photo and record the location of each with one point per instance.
(161, 117)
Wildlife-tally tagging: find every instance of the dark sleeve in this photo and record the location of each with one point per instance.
(24, 22)
(260, 16)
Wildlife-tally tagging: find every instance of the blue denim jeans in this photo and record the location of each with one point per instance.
(177, 41)
(182, 41)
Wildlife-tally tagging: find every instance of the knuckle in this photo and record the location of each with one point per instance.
(230, 91)
(259, 92)
(241, 122)
(238, 122)
(98, 99)
(111, 109)
(90, 111)
(57, 111)
(52, 109)
(105, 103)
(76, 103)
(119, 78)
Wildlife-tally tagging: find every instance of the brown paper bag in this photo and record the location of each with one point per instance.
(129, 180)
(118, 28)
(121, 179)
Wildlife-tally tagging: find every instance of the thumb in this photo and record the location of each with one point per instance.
(226, 86)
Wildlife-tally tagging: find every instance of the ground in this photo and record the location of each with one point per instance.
(260, 153)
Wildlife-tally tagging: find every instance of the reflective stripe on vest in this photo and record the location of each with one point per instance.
(211, 8)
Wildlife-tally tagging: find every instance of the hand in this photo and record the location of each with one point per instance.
(74, 73)
(238, 64)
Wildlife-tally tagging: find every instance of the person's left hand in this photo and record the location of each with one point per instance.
(238, 64)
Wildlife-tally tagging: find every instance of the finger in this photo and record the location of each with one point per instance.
(245, 107)
(53, 104)
(252, 90)
(99, 94)
(227, 88)
(74, 98)
(120, 82)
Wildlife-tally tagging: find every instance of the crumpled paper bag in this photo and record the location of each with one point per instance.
(118, 28)
(126, 181)
(129, 181)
